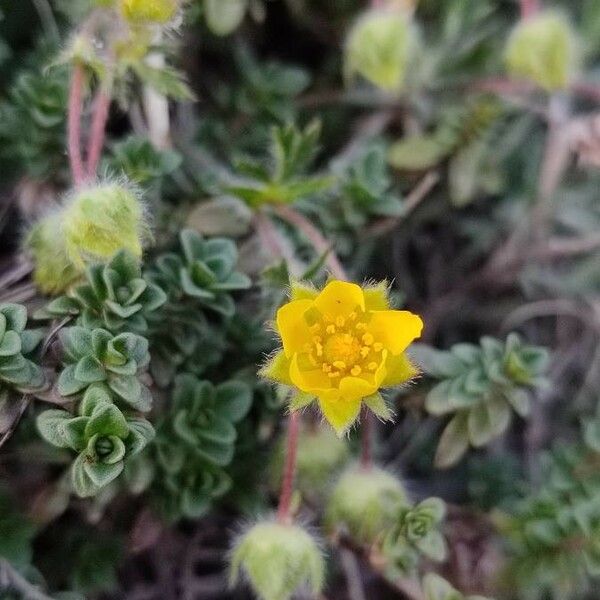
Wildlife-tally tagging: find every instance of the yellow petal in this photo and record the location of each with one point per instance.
(292, 326)
(376, 296)
(340, 297)
(340, 413)
(313, 381)
(356, 388)
(277, 369)
(399, 370)
(396, 329)
(300, 290)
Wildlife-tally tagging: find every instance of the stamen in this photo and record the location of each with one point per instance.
(339, 364)
(326, 368)
(340, 321)
(319, 348)
(364, 351)
(368, 339)
(333, 374)
(372, 366)
(330, 329)
(361, 326)
(378, 346)
(356, 370)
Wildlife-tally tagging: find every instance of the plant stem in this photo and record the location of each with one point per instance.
(289, 471)
(74, 124)
(314, 236)
(99, 120)
(366, 439)
(529, 8)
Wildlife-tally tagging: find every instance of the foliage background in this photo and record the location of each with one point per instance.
(475, 196)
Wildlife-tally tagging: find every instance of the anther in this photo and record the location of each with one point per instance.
(356, 370)
(339, 364)
(372, 366)
(367, 339)
(340, 321)
(364, 351)
(378, 346)
(330, 329)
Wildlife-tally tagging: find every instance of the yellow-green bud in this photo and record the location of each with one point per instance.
(278, 560)
(320, 454)
(224, 16)
(378, 48)
(153, 11)
(542, 49)
(365, 503)
(100, 220)
(53, 271)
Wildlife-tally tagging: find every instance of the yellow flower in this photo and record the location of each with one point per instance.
(341, 345)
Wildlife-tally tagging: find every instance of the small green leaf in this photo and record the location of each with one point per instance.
(453, 442)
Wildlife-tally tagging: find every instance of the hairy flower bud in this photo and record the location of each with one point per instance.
(378, 48)
(278, 559)
(155, 11)
(365, 503)
(542, 49)
(53, 270)
(100, 220)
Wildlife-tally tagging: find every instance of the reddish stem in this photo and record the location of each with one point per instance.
(289, 471)
(529, 8)
(366, 440)
(74, 124)
(96, 143)
(314, 236)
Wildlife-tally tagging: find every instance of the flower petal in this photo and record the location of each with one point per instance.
(399, 370)
(313, 381)
(376, 296)
(396, 329)
(292, 326)
(340, 297)
(277, 368)
(356, 388)
(340, 413)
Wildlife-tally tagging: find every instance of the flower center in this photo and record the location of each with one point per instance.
(342, 346)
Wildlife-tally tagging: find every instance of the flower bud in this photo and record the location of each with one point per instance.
(542, 49)
(365, 502)
(53, 270)
(320, 453)
(278, 559)
(378, 48)
(154, 11)
(100, 220)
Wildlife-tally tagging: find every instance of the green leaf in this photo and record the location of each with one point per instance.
(10, 344)
(106, 420)
(15, 315)
(165, 80)
(50, 424)
(433, 546)
(453, 442)
(68, 384)
(101, 474)
(141, 433)
(224, 16)
(233, 400)
(487, 421)
(89, 370)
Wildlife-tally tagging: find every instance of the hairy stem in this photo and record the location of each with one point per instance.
(289, 470)
(75, 111)
(529, 8)
(366, 439)
(98, 132)
(314, 236)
